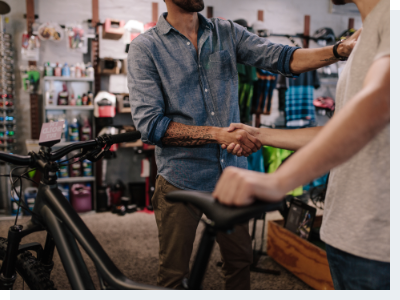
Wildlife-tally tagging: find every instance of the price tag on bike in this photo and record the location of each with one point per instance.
(51, 133)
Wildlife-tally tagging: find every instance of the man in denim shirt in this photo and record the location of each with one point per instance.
(183, 88)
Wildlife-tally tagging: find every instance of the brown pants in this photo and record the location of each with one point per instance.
(176, 232)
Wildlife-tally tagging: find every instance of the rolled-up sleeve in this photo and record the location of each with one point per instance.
(145, 95)
(261, 53)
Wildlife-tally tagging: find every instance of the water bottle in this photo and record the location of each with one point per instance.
(65, 70)
(73, 133)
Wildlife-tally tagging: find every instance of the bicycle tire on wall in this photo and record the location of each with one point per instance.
(30, 269)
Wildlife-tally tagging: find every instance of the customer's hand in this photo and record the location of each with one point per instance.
(236, 149)
(247, 142)
(241, 187)
(347, 46)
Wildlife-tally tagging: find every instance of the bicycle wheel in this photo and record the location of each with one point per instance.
(30, 269)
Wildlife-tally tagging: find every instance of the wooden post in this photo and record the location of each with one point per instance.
(33, 97)
(260, 15)
(30, 15)
(210, 12)
(95, 46)
(306, 30)
(154, 7)
(95, 13)
(351, 23)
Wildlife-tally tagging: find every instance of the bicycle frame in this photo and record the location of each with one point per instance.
(54, 213)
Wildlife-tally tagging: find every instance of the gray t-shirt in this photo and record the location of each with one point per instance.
(357, 206)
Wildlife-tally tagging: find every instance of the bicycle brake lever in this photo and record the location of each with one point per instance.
(96, 154)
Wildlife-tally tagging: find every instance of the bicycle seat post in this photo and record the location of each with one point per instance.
(202, 257)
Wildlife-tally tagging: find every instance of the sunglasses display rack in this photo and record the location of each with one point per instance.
(7, 83)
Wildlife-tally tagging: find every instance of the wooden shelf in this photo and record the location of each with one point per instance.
(62, 78)
(69, 107)
(76, 179)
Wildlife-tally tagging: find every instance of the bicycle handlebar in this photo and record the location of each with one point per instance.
(14, 159)
(75, 146)
(113, 139)
(125, 137)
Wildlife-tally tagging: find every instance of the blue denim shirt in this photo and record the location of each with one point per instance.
(169, 81)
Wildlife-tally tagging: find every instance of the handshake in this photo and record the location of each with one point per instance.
(239, 139)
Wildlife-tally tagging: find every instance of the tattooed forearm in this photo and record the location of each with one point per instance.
(330, 59)
(182, 135)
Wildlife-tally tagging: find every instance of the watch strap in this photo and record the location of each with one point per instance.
(336, 54)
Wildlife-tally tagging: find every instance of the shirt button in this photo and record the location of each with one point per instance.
(222, 160)
(212, 113)
(188, 43)
(206, 90)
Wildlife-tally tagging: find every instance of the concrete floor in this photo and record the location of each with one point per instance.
(131, 242)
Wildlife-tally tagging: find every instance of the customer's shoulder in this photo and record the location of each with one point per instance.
(381, 12)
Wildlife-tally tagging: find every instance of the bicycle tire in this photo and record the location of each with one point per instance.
(30, 269)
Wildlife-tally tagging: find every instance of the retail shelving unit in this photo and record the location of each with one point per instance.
(79, 86)
(7, 116)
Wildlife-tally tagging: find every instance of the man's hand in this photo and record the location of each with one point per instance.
(241, 187)
(236, 149)
(244, 140)
(347, 46)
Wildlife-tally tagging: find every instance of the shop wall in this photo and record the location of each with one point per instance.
(61, 12)
(281, 16)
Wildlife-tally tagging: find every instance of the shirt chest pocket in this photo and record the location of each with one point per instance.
(220, 65)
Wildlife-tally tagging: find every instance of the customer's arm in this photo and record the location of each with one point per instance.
(148, 110)
(367, 113)
(182, 135)
(292, 139)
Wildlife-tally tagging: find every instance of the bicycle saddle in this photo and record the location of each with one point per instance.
(224, 217)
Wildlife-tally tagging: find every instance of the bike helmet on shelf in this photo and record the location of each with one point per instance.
(347, 33)
(241, 22)
(325, 34)
(261, 29)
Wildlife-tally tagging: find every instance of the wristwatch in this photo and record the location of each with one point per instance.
(336, 54)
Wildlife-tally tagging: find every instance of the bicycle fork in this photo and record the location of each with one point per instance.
(8, 273)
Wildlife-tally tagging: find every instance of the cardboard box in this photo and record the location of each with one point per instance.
(123, 103)
(109, 66)
(113, 29)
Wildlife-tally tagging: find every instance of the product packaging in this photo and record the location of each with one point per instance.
(86, 129)
(73, 133)
(87, 168)
(75, 169)
(63, 96)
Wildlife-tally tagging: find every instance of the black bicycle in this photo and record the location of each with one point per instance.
(54, 214)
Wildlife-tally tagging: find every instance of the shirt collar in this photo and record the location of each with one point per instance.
(164, 27)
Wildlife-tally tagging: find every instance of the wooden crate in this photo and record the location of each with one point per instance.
(302, 258)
